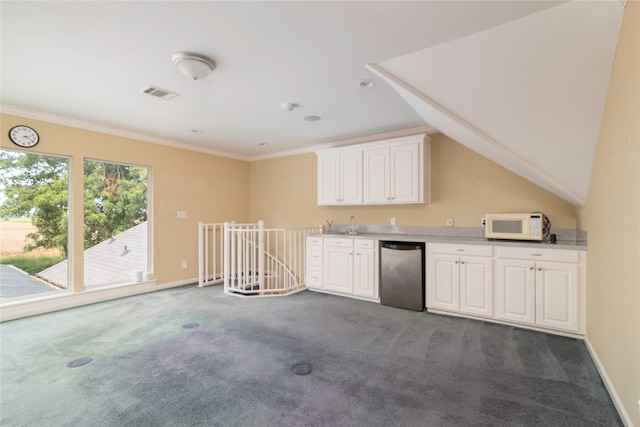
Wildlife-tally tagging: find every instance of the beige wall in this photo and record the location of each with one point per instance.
(209, 188)
(612, 218)
(464, 186)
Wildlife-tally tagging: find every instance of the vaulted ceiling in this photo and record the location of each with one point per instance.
(522, 82)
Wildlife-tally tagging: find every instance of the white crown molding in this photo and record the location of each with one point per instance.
(110, 130)
(345, 142)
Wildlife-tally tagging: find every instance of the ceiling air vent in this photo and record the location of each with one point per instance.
(159, 93)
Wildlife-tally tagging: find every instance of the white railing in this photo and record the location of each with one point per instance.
(255, 260)
(261, 261)
(210, 253)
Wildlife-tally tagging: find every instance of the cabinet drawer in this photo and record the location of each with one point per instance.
(314, 255)
(314, 278)
(339, 242)
(474, 250)
(538, 254)
(365, 244)
(314, 240)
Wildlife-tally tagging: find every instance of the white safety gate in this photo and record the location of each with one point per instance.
(253, 260)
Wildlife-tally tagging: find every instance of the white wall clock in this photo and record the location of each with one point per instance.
(24, 136)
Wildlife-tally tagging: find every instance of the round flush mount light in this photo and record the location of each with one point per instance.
(263, 144)
(366, 84)
(192, 65)
(311, 118)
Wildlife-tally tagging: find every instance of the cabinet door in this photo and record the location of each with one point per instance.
(443, 277)
(338, 269)
(476, 286)
(557, 295)
(516, 291)
(364, 276)
(376, 176)
(329, 179)
(405, 179)
(351, 178)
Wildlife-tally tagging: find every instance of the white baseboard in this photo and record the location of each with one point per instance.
(63, 300)
(626, 419)
(170, 285)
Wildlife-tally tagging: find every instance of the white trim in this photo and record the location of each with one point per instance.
(64, 300)
(576, 335)
(465, 133)
(184, 282)
(111, 130)
(617, 402)
(345, 142)
(374, 144)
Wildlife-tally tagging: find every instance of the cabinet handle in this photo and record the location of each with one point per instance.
(461, 262)
(539, 268)
(456, 262)
(536, 254)
(530, 268)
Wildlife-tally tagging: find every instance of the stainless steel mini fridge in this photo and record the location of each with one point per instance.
(402, 273)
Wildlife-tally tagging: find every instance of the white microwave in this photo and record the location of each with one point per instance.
(529, 226)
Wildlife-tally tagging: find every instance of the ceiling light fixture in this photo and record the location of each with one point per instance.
(289, 106)
(192, 65)
(263, 144)
(366, 84)
(311, 118)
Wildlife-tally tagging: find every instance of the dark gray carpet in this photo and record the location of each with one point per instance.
(196, 357)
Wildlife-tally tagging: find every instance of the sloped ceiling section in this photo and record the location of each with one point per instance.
(528, 94)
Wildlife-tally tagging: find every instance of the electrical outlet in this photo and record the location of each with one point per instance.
(449, 222)
(393, 221)
(483, 221)
(184, 265)
(182, 214)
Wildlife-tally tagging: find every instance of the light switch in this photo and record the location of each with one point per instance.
(182, 214)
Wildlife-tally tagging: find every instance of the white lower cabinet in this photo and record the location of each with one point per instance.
(516, 291)
(365, 283)
(338, 268)
(541, 287)
(460, 279)
(346, 266)
(314, 262)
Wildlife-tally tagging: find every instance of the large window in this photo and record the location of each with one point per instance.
(115, 223)
(34, 204)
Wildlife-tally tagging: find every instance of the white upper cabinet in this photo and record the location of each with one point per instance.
(394, 174)
(382, 172)
(340, 178)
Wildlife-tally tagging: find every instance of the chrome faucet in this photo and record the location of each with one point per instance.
(353, 229)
